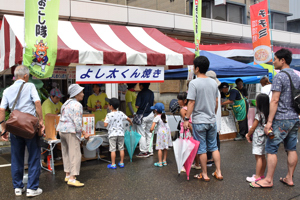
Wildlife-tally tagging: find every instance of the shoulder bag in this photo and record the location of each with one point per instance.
(22, 124)
(138, 118)
(295, 95)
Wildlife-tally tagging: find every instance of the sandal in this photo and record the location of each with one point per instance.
(200, 177)
(110, 166)
(121, 165)
(165, 163)
(217, 177)
(158, 164)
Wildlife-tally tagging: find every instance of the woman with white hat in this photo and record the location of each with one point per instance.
(70, 130)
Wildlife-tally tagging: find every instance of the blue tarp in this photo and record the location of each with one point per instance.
(246, 79)
(224, 68)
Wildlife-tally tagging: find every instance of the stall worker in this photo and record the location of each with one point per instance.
(239, 107)
(122, 88)
(240, 86)
(97, 104)
(52, 106)
(130, 98)
(70, 130)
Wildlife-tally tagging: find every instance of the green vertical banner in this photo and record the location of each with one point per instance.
(41, 24)
(197, 16)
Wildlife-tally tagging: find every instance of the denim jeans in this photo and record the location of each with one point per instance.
(206, 134)
(284, 131)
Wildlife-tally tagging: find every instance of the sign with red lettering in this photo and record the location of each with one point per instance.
(260, 30)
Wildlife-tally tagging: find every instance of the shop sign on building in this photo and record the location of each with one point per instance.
(118, 74)
(60, 73)
(71, 73)
(220, 2)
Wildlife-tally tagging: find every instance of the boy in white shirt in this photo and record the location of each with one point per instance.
(114, 123)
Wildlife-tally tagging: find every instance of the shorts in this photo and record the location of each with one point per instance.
(113, 141)
(285, 131)
(258, 144)
(206, 134)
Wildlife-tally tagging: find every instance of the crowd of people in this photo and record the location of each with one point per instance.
(276, 121)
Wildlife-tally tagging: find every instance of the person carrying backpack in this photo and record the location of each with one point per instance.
(283, 120)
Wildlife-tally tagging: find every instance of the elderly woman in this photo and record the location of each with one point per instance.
(70, 129)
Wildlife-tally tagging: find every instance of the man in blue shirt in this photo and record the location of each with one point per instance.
(144, 101)
(28, 102)
(283, 120)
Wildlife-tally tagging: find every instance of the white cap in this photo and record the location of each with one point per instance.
(74, 89)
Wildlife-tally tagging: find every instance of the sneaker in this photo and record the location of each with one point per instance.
(208, 164)
(196, 167)
(19, 191)
(142, 155)
(252, 179)
(67, 179)
(33, 193)
(211, 162)
(110, 166)
(183, 170)
(150, 153)
(239, 138)
(75, 183)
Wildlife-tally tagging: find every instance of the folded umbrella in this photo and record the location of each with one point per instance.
(182, 149)
(189, 161)
(131, 139)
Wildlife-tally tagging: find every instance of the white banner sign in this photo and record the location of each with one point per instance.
(118, 74)
(190, 72)
(89, 125)
(220, 2)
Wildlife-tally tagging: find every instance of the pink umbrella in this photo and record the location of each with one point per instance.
(296, 72)
(189, 161)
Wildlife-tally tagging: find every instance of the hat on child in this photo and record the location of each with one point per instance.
(114, 102)
(74, 89)
(159, 107)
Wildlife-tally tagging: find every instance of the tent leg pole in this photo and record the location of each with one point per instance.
(4, 80)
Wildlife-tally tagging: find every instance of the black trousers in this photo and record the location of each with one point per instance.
(243, 125)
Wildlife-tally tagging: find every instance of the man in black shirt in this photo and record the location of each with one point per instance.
(236, 97)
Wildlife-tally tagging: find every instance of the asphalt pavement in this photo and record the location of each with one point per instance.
(142, 180)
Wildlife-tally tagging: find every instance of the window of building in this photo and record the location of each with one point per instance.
(220, 12)
(235, 13)
(229, 12)
(206, 7)
(279, 21)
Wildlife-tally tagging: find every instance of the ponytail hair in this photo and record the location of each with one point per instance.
(163, 117)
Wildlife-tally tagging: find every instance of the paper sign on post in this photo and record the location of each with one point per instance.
(118, 74)
(89, 125)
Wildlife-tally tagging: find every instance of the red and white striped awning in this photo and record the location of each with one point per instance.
(87, 43)
(233, 49)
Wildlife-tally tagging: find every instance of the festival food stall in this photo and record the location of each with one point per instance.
(226, 69)
(98, 53)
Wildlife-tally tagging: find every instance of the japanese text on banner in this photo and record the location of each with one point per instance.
(260, 32)
(118, 74)
(41, 24)
(197, 16)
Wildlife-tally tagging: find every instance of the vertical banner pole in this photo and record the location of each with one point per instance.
(197, 16)
(270, 20)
